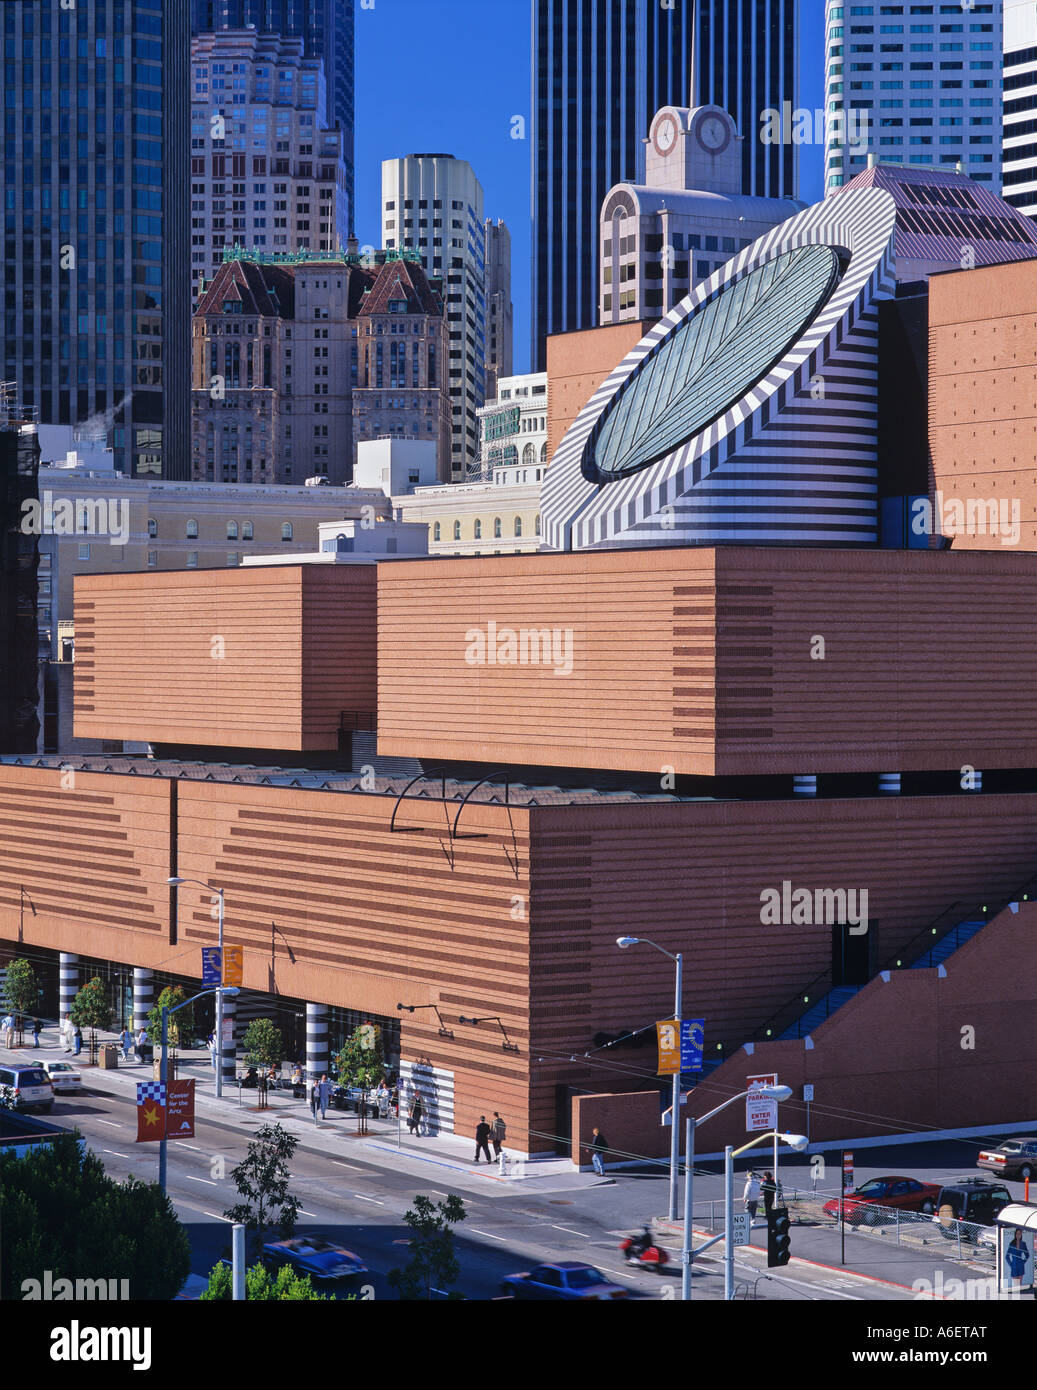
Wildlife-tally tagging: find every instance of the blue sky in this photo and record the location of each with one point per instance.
(449, 75)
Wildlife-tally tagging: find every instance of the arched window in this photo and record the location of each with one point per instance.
(246, 530)
(192, 530)
(537, 524)
(543, 452)
(437, 532)
(478, 530)
(529, 454)
(286, 531)
(232, 530)
(510, 456)
(497, 529)
(518, 526)
(152, 526)
(457, 530)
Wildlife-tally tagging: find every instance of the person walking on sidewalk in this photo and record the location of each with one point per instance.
(142, 1042)
(37, 1028)
(324, 1091)
(482, 1138)
(77, 1038)
(314, 1099)
(9, 1031)
(497, 1133)
(125, 1042)
(414, 1117)
(66, 1032)
(770, 1190)
(751, 1194)
(599, 1146)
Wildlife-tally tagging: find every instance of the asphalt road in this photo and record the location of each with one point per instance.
(361, 1205)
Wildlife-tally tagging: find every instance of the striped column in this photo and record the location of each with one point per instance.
(143, 998)
(889, 783)
(316, 1040)
(805, 786)
(230, 1042)
(68, 986)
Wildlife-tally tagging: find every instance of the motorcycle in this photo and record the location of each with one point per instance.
(648, 1257)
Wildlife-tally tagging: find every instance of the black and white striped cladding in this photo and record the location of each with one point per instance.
(810, 422)
(68, 982)
(143, 997)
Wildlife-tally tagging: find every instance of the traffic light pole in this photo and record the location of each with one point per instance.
(794, 1141)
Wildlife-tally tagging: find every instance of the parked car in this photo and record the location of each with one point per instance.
(315, 1255)
(904, 1194)
(971, 1200)
(564, 1280)
(1015, 1158)
(32, 1087)
(64, 1075)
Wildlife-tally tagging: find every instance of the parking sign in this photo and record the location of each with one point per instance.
(760, 1112)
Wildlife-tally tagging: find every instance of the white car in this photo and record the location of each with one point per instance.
(64, 1075)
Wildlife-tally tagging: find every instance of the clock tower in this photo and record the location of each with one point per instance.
(694, 147)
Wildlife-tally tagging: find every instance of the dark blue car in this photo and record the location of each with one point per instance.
(316, 1256)
(564, 1280)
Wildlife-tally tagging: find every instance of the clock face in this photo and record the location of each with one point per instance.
(712, 134)
(666, 135)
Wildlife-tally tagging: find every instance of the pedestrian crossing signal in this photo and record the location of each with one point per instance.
(779, 1238)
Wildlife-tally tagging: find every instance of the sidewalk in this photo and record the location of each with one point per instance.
(387, 1143)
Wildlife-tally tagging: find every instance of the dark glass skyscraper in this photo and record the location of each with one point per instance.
(326, 28)
(601, 69)
(94, 186)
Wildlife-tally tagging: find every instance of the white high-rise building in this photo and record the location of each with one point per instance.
(1019, 150)
(433, 203)
(267, 167)
(660, 238)
(913, 84)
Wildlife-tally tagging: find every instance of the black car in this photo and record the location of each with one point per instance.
(1015, 1158)
(971, 1200)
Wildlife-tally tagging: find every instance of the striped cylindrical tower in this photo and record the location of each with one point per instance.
(143, 997)
(889, 783)
(230, 1044)
(68, 986)
(805, 785)
(316, 1040)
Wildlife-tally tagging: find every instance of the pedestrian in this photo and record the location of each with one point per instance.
(324, 1091)
(314, 1099)
(599, 1144)
(36, 1030)
(751, 1194)
(77, 1038)
(414, 1117)
(482, 1139)
(497, 1133)
(126, 1042)
(769, 1189)
(9, 1031)
(142, 1042)
(66, 1032)
(211, 1045)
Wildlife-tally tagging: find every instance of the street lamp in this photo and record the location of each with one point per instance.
(675, 1144)
(768, 1093)
(794, 1141)
(175, 882)
(166, 1011)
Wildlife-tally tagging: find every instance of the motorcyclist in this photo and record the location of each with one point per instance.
(642, 1241)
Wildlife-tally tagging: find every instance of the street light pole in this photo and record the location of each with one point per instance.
(689, 1206)
(163, 1068)
(174, 882)
(794, 1141)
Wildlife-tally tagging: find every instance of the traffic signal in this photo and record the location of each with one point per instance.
(779, 1239)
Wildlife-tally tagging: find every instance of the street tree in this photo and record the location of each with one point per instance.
(60, 1211)
(181, 1024)
(91, 1009)
(286, 1286)
(433, 1261)
(20, 993)
(262, 1044)
(361, 1061)
(262, 1179)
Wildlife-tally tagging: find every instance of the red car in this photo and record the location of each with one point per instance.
(906, 1194)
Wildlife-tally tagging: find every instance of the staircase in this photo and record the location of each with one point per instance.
(818, 1012)
(948, 944)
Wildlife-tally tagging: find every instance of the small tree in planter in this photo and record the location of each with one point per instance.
(263, 1047)
(361, 1061)
(20, 996)
(91, 1009)
(181, 1024)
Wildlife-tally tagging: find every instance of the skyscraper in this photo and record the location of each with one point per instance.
(601, 69)
(499, 311)
(433, 204)
(1019, 151)
(913, 84)
(326, 28)
(94, 184)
